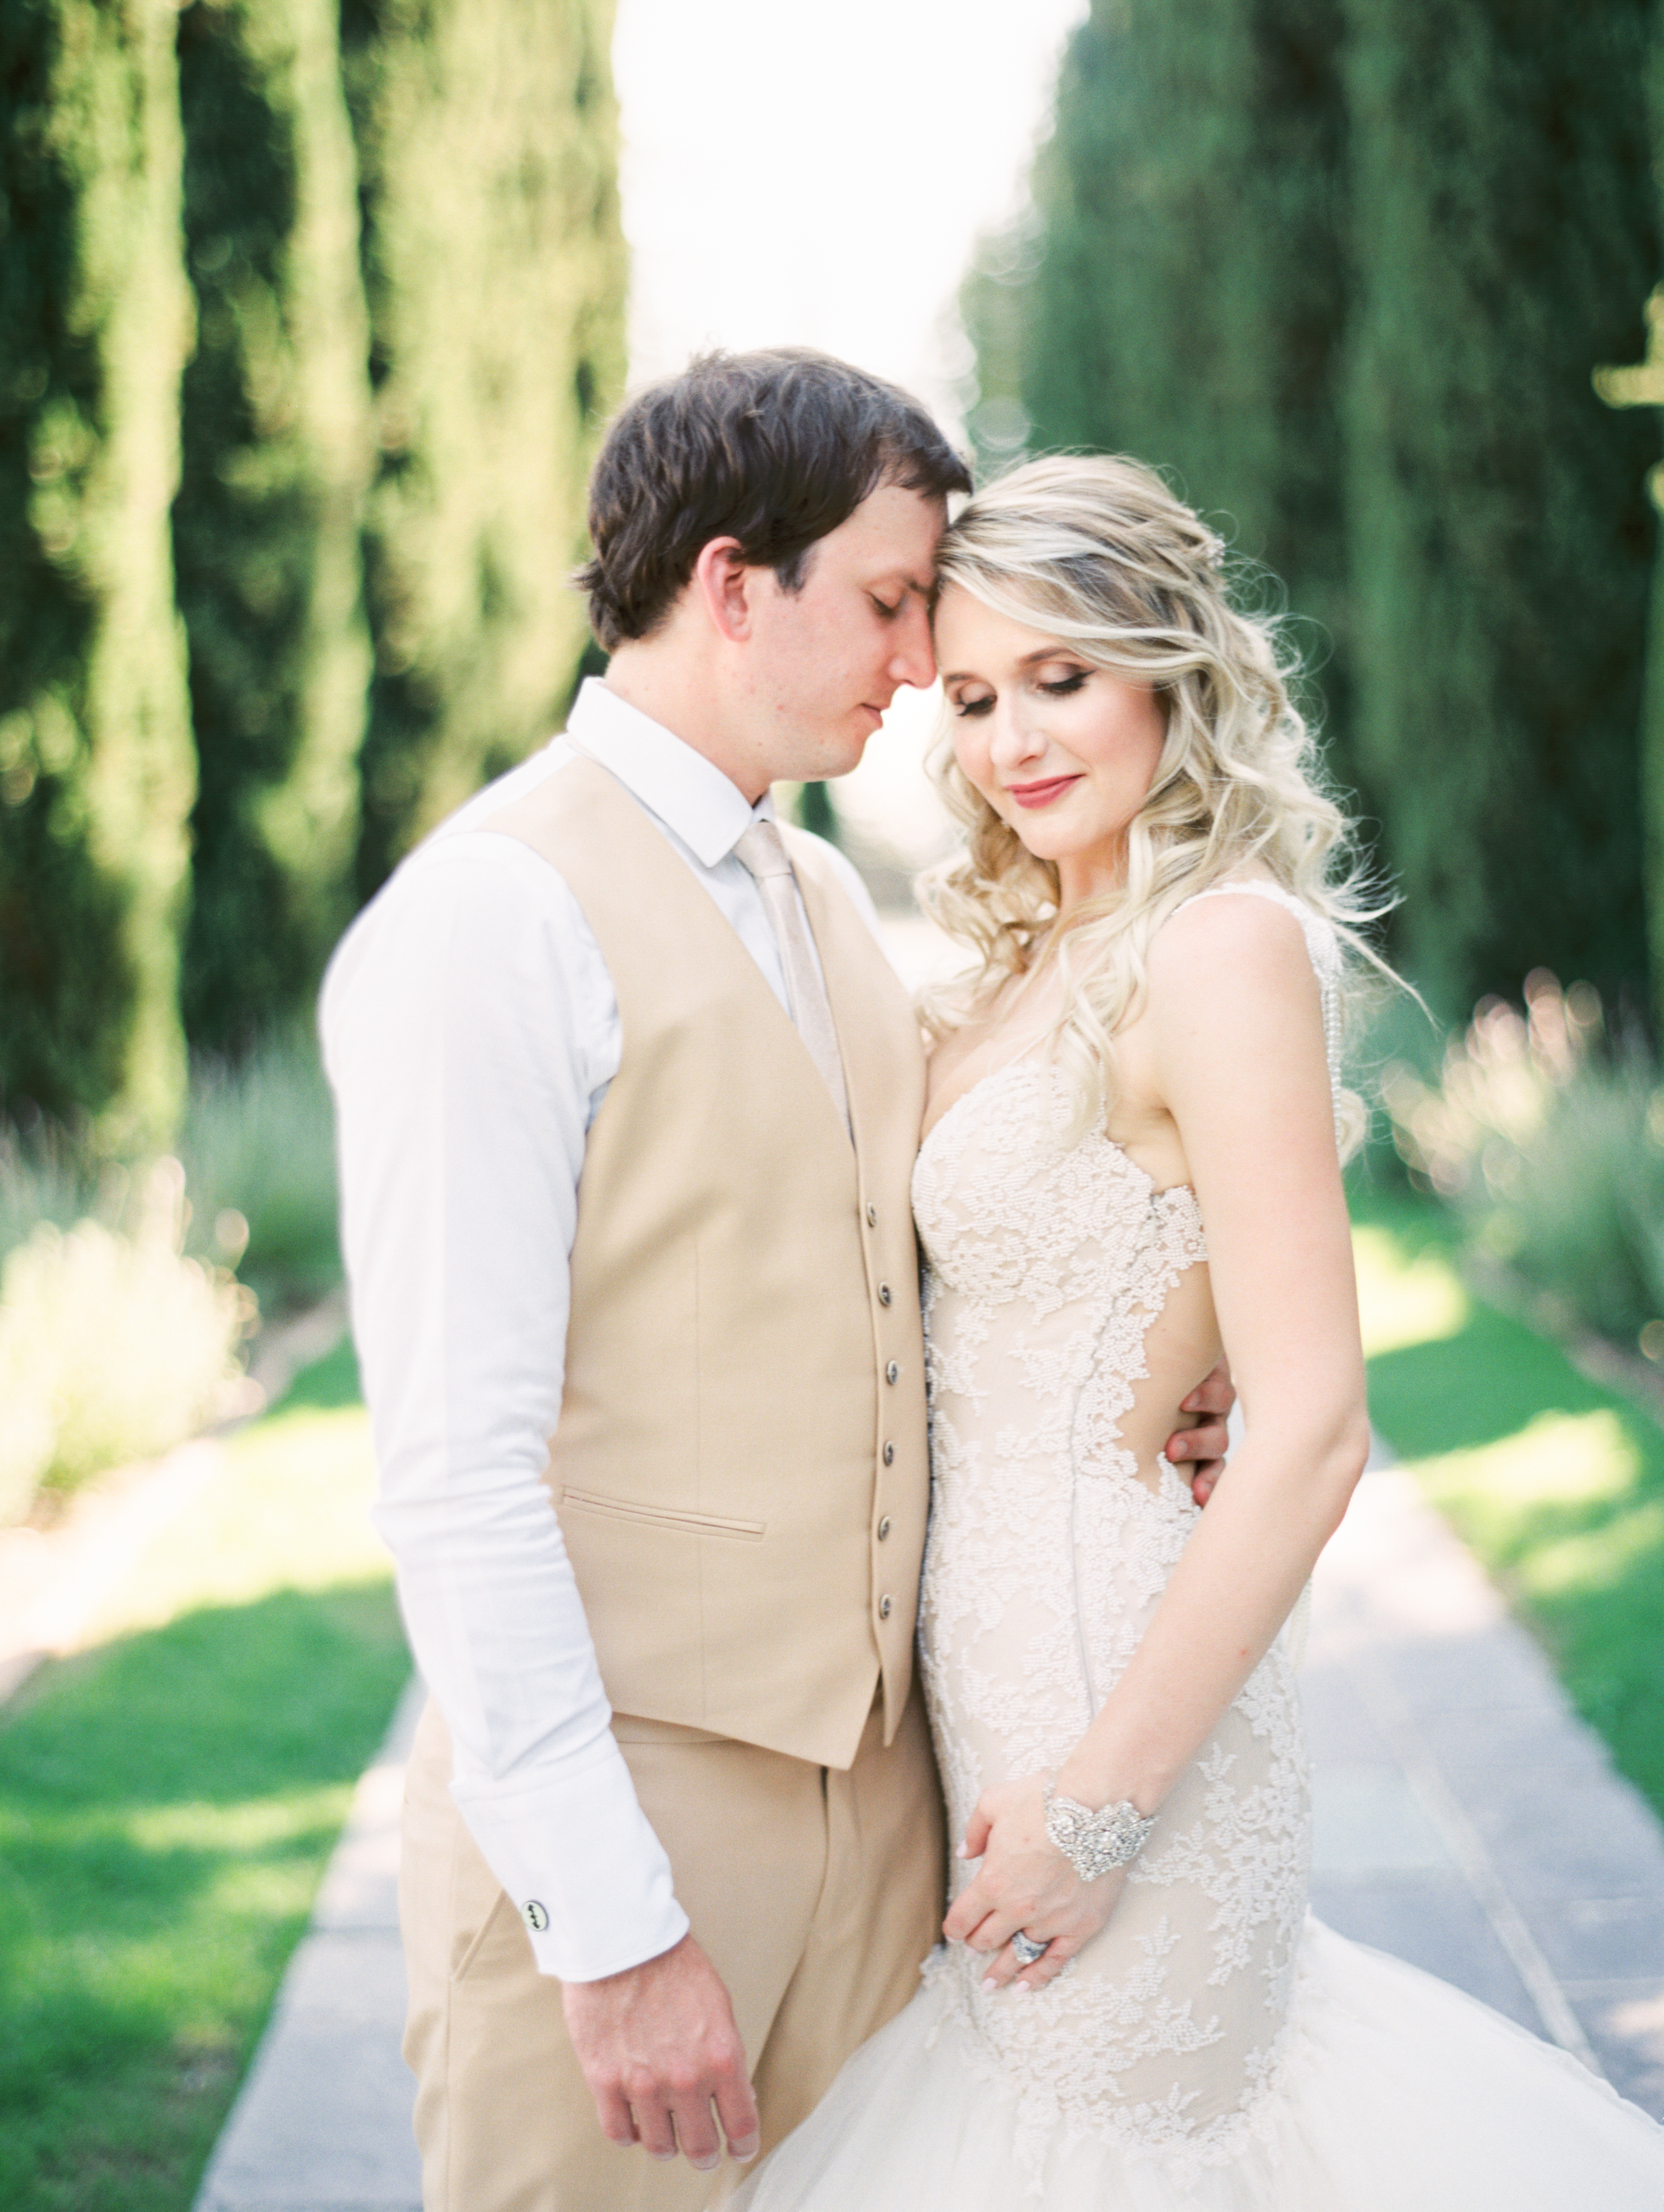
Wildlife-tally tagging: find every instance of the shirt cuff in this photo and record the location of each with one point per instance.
(581, 1866)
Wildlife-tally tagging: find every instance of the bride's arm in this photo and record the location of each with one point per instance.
(1232, 990)
(1236, 1029)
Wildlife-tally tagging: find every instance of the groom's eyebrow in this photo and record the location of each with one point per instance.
(926, 589)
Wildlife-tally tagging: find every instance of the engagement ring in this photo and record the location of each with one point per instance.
(1026, 1948)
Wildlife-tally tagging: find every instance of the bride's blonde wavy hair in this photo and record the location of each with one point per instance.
(1099, 554)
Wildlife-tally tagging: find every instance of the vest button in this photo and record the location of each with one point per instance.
(872, 1215)
(892, 1373)
(883, 1608)
(883, 1530)
(889, 1455)
(884, 1294)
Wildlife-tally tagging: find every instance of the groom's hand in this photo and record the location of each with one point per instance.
(658, 2047)
(1199, 1452)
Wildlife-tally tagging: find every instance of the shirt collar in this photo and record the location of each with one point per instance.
(688, 794)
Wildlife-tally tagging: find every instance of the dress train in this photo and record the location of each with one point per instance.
(1396, 2093)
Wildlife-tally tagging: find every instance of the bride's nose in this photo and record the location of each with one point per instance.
(1014, 739)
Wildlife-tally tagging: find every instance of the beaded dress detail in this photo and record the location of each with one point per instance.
(1188, 2057)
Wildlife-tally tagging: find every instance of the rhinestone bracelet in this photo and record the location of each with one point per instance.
(1096, 1843)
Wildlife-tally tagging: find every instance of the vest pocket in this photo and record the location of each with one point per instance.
(659, 1517)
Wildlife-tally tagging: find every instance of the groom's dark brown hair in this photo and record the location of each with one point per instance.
(774, 449)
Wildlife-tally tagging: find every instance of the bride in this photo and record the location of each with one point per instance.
(1132, 1161)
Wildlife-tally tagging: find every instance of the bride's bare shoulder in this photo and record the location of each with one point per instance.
(1221, 949)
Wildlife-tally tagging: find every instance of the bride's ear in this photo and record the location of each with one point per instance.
(725, 582)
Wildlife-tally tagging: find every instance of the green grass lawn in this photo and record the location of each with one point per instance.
(1555, 1483)
(168, 1800)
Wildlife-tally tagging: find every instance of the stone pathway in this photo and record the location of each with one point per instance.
(1465, 1820)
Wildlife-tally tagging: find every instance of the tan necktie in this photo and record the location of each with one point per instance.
(762, 850)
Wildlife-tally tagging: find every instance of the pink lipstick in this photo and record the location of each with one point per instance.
(1041, 795)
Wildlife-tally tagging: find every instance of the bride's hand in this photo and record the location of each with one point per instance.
(1024, 1882)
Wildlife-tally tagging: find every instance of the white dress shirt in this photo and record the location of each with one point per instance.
(470, 1032)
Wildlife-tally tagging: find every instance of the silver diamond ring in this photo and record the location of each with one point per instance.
(1027, 1949)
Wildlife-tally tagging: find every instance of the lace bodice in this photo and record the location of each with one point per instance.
(1050, 1277)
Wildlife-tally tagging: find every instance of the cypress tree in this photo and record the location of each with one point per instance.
(1180, 291)
(494, 274)
(96, 774)
(1501, 543)
(818, 811)
(276, 461)
(1652, 792)
(1641, 384)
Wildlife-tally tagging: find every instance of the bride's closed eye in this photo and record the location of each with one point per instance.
(1055, 687)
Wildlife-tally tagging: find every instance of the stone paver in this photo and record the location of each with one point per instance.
(1466, 1821)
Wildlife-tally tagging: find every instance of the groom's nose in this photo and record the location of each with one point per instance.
(914, 660)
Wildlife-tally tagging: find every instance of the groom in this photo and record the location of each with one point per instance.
(628, 1099)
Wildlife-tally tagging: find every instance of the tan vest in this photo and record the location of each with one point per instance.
(739, 1466)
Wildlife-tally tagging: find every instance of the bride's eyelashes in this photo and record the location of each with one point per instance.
(1057, 687)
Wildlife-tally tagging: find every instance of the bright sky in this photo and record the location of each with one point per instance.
(818, 176)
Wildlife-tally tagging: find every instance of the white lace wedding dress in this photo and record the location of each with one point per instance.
(1214, 2048)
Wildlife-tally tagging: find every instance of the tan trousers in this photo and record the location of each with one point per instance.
(816, 1893)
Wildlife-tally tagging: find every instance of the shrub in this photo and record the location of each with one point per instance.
(119, 1316)
(43, 1177)
(1547, 1137)
(258, 1148)
(112, 1346)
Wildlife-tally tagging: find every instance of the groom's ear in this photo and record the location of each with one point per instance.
(725, 582)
